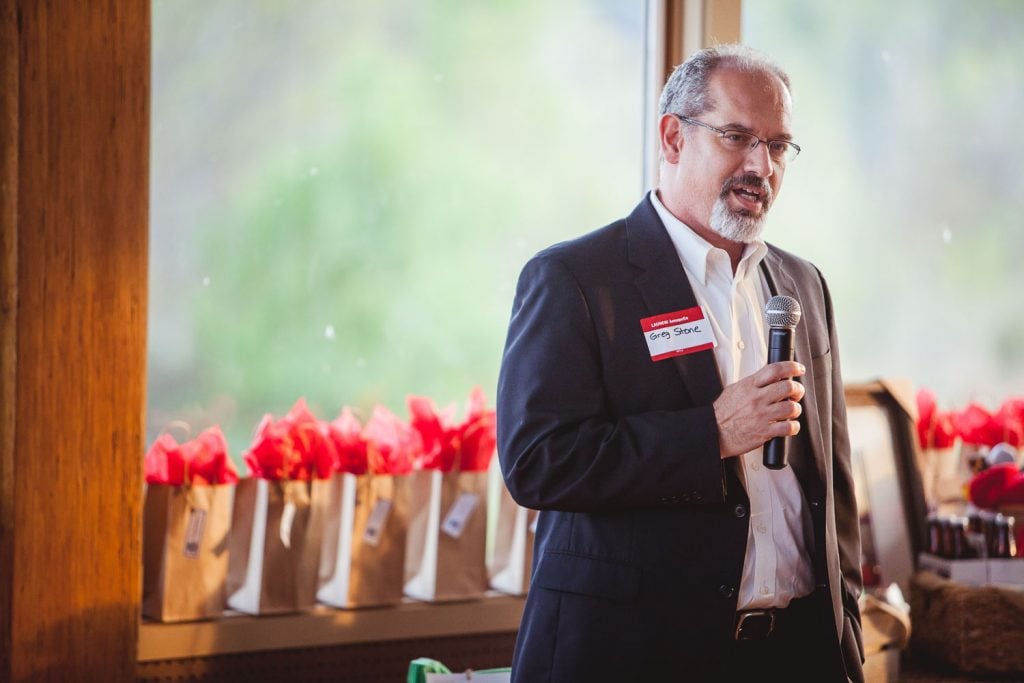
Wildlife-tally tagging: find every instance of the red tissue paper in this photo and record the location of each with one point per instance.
(350, 444)
(1011, 416)
(973, 424)
(479, 433)
(997, 486)
(976, 425)
(934, 427)
(469, 444)
(439, 438)
(296, 447)
(391, 445)
(202, 461)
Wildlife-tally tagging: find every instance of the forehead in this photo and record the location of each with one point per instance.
(759, 101)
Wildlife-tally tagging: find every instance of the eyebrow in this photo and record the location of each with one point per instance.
(744, 129)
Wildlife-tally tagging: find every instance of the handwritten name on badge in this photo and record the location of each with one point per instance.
(678, 333)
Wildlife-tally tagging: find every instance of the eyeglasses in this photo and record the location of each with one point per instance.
(780, 151)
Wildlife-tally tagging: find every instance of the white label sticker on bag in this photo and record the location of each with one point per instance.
(455, 521)
(287, 517)
(375, 523)
(194, 532)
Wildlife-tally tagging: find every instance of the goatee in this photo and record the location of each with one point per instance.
(740, 226)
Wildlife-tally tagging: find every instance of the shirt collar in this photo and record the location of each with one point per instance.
(695, 252)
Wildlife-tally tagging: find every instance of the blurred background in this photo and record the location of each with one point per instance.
(343, 194)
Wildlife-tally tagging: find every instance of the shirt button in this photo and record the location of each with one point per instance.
(756, 465)
(761, 528)
(740, 345)
(764, 590)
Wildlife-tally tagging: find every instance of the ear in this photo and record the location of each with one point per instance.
(670, 134)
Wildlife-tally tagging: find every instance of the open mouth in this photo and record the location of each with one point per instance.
(750, 198)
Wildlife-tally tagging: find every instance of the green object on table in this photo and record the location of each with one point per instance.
(421, 666)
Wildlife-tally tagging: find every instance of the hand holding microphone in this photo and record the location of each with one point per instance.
(758, 408)
(782, 315)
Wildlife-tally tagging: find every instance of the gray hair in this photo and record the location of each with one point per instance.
(686, 92)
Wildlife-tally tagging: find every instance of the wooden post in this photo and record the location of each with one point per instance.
(74, 144)
(675, 30)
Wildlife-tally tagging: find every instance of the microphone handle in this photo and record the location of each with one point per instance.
(780, 348)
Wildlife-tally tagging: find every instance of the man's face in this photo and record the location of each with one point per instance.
(729, 192)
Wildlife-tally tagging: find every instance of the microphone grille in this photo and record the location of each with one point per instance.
(782, 311)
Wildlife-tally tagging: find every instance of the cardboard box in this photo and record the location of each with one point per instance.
(1006, 572)
(973, 572)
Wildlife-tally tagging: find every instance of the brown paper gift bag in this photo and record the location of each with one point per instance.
(362, 559)
(276, 532)
(185, 551)
(445, 551)
(512, 556)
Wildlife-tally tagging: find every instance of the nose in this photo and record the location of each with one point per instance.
(758, 162)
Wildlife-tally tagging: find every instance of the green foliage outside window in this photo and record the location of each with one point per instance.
(343, 193)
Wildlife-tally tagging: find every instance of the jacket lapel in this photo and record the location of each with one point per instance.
(665, 288)
(808, 467)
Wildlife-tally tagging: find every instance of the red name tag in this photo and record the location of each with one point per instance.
(678, 333)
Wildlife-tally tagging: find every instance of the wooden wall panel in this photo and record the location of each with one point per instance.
(72, 482)
(722, 21)
(8, 308)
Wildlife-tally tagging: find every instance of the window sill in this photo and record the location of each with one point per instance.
(326, 626)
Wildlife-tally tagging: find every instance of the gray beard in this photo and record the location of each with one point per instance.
(734, 226)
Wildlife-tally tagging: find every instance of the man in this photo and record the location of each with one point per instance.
(665, 550)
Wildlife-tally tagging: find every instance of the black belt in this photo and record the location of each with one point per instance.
(759, 624)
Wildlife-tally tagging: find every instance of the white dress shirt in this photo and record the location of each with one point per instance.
(777, 565)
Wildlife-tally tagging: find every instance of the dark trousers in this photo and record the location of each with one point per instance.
(802, 646)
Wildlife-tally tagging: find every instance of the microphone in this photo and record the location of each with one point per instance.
(782, 313)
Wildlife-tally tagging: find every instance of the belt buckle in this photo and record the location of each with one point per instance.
(755, 624)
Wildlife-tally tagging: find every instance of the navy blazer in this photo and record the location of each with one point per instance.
(641, 540)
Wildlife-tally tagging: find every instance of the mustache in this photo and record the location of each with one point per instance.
(749, 180)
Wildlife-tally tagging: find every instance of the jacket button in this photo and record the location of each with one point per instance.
(815, 504)
(740, 510)
(726, 591)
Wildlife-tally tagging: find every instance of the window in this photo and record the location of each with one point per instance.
(342, 194)
(907, 194)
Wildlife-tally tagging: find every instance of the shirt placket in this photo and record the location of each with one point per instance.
(758, 488)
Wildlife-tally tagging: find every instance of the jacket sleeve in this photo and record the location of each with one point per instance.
(559, 447)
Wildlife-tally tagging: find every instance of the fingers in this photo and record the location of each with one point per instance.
(762, 406)
(785, 389)
(784, 428)
(785, 410)
(774, 372)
